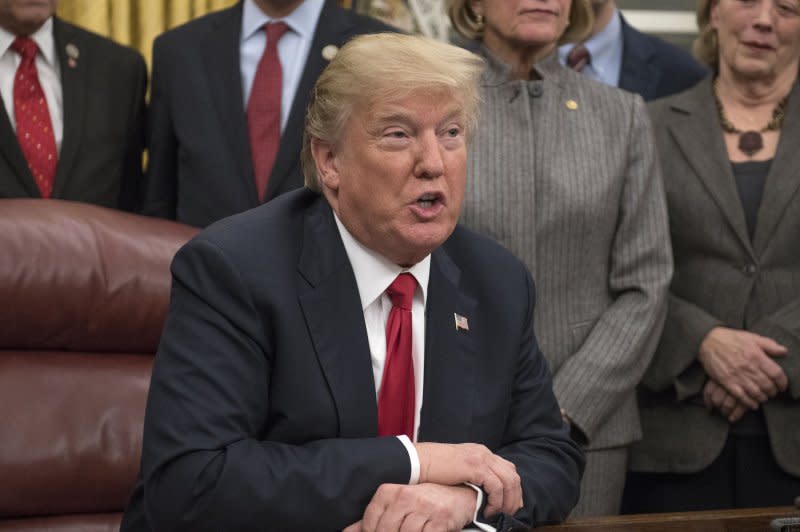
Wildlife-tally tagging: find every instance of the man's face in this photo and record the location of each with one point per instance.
(396, 178)
(23, 17)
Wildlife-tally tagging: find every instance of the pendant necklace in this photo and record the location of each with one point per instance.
(751, 142)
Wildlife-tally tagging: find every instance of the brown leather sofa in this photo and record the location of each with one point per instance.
(83, 295)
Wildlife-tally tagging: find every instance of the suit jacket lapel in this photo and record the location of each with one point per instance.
(11, 152)
(694, 125)
(335, 322)
(333, 25)
(221, 56)
(782, 182)
(450, 356)
(637, 74)
(73, 85)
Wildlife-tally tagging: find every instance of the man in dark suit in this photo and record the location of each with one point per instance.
(72, 119)
(201, 147)
(620, 55)
(285, 393)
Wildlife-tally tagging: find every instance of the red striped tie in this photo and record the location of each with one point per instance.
(396, 399)
(34, 128)
(264, 108)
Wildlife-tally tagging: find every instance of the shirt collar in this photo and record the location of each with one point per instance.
(603, 45)
(374, 272)
(43, 37)
(303, 20)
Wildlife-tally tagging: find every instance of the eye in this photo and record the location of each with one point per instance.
(396, 134)
(787, 8)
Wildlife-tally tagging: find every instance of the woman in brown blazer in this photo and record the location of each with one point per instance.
(721, 400)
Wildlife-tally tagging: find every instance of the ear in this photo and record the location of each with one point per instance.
(713, 15)
(324, 154)
(476, 7)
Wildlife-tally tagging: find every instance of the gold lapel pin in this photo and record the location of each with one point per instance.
(330, 51)
(72, 55)
(571, 105)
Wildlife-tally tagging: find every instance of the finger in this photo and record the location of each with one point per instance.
(376, 507)
(775, 373)
(718, 396)
(355, 527)
(770, 346)
(512, 485)
(766, 385)
(728, 405)
(737, 413)
(707, 393)
(754, 391)
(414, 522)
(493, 487)
(740, 395)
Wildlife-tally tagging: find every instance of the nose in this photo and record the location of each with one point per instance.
(429, 163)
(763, 16)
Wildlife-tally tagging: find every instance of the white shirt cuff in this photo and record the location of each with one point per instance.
(413, 457)
(478, 503)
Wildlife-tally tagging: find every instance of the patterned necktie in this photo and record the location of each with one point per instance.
(578, 57)
(34, 128)
(396, 398)
(264, 108)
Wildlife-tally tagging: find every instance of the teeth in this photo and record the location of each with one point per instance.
(425, 203)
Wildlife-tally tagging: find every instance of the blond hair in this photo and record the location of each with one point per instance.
(386, 67)
(705, 46)
(465, 21)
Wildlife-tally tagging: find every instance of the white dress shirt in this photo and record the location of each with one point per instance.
(47, 68)
(605, 49)
(374, 273)
(293, 48)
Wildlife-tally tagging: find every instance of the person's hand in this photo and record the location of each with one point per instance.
(428, 507)
(741, 362)
(454, 464)
(716, 397)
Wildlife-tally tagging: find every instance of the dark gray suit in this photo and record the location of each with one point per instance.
(100, 160)
(200, 167)
(721, 278)
(654, 68)
(262, 412)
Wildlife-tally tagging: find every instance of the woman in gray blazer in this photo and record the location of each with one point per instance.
(563, 172)
(721, 401)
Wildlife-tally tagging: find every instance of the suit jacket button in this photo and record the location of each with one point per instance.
(535, 89)
(749, 269)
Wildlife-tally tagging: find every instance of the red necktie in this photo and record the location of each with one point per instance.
(578, 57)
(396, 398)
(264, 108)
(34, 128)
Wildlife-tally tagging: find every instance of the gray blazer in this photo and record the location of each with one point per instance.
(721, 278)
(563, 173)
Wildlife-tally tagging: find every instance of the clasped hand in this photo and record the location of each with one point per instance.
(441, 501)
(742, 371)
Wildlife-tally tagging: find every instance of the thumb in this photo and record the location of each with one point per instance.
(770, 346)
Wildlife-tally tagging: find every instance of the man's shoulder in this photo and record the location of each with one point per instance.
(195, 30)
(474, 251)
(100, 45)
(667, 56)
(278, 222)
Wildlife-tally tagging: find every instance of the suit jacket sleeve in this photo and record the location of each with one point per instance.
(611, 361)
(204, 464)
(131, 182)
(548, 461)
(160, 190)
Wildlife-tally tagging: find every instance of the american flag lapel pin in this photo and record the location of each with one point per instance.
(462, 323)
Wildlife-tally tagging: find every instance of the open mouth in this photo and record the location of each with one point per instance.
(426, 201)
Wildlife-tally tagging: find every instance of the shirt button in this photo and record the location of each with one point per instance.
(535, 90)
(749, 269)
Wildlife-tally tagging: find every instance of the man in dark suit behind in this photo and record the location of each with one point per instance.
(80, 132)
(622, 56)
(279, 399)
(201, 165)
